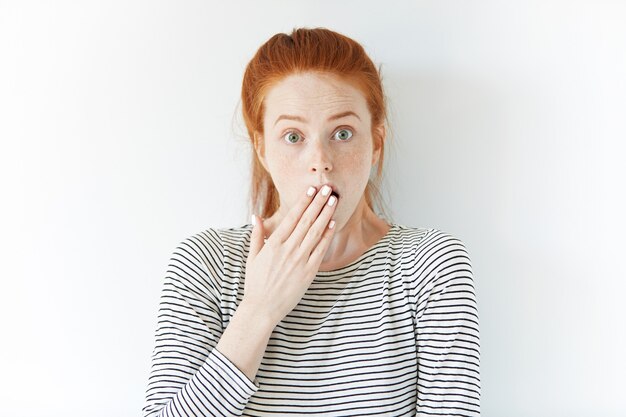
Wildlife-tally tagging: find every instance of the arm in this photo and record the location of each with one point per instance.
(189, 376)
(448, 345)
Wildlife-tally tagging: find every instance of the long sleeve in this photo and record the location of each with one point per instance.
(447, 331)
(188, 376)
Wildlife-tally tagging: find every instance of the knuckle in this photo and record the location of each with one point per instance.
(271, 242)
(290, 247)
(316, 252)
(308, 221)
(316, 232)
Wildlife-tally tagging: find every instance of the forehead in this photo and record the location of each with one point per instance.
(313, 94)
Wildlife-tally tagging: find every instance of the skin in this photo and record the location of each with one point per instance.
(300, 242)
(322, 154)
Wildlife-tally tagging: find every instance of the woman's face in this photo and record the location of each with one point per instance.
(309, 139)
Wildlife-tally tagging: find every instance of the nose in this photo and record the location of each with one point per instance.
(320, 159)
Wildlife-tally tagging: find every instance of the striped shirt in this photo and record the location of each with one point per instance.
(394, 333)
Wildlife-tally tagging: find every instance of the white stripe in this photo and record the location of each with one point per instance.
(394, 333)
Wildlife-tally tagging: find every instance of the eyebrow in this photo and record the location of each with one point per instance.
(331, 118)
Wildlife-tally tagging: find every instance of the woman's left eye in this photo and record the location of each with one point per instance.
(343, 134)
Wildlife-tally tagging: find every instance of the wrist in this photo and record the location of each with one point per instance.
(249, 312)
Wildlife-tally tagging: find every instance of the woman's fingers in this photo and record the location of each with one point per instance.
(306, 220)
(288, 224)
(317, 255)
(256, 237)
(283, 270)
(314, 220)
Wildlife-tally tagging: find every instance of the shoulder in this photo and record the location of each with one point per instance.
(208, 248)
(434, 261)
(198, 260)
(213, 240)
(422, 238)
(419, 239)
(430, 254)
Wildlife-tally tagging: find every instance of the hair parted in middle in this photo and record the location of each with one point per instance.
(317, 50)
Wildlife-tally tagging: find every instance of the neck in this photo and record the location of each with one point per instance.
(351, 237)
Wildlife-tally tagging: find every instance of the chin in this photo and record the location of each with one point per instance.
(342, 218)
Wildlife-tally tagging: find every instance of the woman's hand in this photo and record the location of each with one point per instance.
(279, 272)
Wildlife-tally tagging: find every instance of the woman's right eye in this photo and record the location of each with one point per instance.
(292, 136)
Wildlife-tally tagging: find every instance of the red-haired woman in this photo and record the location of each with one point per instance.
(318, 306)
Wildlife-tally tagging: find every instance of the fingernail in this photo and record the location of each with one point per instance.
(325, 190)
(253, 220)
(331, 200)
(310, 191)
(331, 224)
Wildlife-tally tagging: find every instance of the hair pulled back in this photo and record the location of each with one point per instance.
(308, 50)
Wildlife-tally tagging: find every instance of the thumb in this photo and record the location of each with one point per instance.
(256, 238)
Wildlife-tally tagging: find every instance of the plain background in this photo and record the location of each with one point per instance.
(121, 136)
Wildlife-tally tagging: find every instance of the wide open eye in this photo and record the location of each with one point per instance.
(292, 136)
(343, 134)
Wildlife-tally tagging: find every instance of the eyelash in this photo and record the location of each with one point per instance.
(338, 130)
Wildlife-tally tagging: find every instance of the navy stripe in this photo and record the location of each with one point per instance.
(396, 332)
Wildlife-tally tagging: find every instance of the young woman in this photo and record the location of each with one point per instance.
(319, 306)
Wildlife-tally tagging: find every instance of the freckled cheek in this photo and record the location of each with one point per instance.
(283, 164)
(284, 172)
(354, 173)
(359, 167)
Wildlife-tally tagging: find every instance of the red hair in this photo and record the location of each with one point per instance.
(308, 50)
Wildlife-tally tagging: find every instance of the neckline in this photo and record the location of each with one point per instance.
(372, 249)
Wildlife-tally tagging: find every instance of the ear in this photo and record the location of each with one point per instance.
(378, 139)
(259, 147)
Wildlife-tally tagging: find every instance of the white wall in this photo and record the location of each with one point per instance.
(121, 136)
